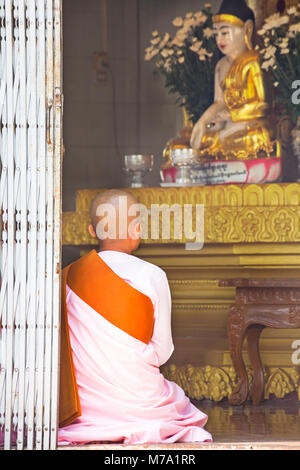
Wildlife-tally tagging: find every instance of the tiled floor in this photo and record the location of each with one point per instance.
(270, 421)
(272, 425)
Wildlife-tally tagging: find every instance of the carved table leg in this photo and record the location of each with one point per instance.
(236, 334)
(257, 389)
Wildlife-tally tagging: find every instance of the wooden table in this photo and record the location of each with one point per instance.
(259, 303)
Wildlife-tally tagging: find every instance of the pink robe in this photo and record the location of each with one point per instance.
(123, 396)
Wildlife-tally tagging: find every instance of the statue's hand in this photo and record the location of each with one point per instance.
(197, 135)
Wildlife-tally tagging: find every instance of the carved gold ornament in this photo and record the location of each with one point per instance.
(232, 214)
(217, 383)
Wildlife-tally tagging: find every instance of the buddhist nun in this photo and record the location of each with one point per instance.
(116, 333)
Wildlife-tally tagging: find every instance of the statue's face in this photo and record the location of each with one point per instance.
(230, 38)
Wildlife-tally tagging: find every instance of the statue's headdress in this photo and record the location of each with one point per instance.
(235, 12)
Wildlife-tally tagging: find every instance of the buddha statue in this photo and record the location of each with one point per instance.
(235, 127)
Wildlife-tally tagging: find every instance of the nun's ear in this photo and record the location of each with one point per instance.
(92, 231)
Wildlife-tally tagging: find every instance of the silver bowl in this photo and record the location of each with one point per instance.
(184, 160)
(138, 166)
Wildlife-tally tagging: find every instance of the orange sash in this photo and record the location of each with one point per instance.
(114, 299)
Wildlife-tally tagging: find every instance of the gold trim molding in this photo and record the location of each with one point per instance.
(233, 214)
(185, 307)
(193, 282)
(217, 383)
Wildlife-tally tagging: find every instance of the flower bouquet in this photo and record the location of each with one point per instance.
(187, 60)
(281, 55)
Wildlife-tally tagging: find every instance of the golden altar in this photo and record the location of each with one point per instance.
(250, 231)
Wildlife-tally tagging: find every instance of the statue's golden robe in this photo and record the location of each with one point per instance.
(244, 96)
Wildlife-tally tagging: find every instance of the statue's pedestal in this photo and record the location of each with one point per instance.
(251, 231)
(231, 172)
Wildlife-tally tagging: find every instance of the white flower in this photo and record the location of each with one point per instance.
(295, 28)
(268, 64)
(292, 11)
(178, 22)
(155, 41)
(150, 53)
(269, 52)
(284, 43)
(284, 20)
(276, 84)
(167, 65)
(166, 39)
(155, 33)
(275, 21)
(165, 53)
(196, 46)
(203, 51)
(200, 17)
(285, 51)
(208, 33)
(147, 56)
(177, 42)
(181, 60)
(261, 32)
(181, 35)
(273, 17)
(188, 23)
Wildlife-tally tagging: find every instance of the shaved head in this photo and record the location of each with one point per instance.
(110, 197)
(111, 219)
